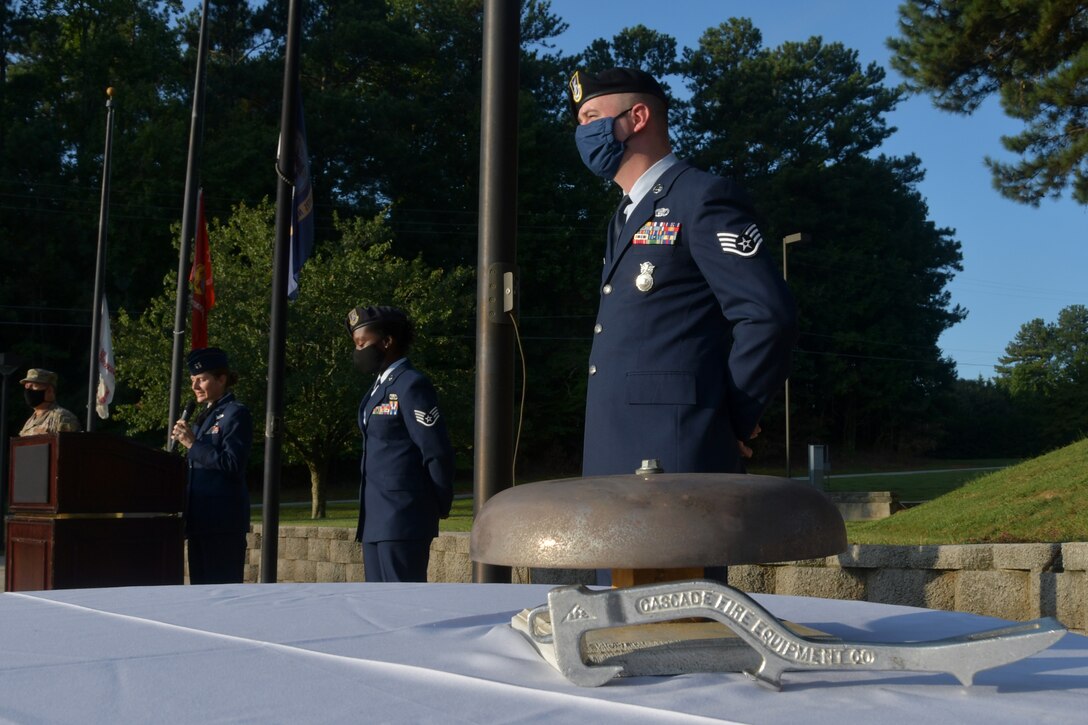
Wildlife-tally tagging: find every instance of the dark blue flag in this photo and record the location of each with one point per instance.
(302, 207)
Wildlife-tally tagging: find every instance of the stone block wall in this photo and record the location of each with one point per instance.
(1010, 581)
(864, 505)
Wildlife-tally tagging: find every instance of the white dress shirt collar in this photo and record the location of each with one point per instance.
(388, 371)
(645, 182)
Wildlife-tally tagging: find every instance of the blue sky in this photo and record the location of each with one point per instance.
(1019, 262)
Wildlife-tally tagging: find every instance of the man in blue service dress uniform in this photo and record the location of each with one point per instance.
(407, 463)
(695, 325)
(219, 440)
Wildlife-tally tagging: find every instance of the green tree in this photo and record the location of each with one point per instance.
(756, 110)
(391, 90)
(798, 125)
(321, 390)
(634, 47)
(1045, 371)
(872, 297)
(68, 54)
(59, 56)
(1034, 55)
(394, 129)
(243, 93)
(980, 420)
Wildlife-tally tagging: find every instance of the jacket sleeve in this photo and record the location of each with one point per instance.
(728, 248)
(226, 449)
(427, 429)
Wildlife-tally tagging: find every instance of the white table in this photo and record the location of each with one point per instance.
(443, 653)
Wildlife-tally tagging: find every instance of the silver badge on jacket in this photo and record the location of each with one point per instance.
(645, 279)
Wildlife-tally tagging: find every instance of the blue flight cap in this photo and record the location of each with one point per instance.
(207, 359)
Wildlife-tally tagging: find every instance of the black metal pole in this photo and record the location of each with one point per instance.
(496, 269)
(8, 364)
(188, 223)
(100, 262)
(273, 426)
(786, 241)
(3, 457)
(785, 277)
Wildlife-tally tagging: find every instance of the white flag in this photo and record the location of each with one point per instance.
(106, 370)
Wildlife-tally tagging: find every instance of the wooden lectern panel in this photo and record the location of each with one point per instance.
(45, 552)
(93, 473)
(28, 558)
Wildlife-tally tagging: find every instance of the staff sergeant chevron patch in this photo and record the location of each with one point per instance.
(744, 244)
(427, 419)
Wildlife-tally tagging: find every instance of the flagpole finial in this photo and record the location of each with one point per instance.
(109, 91)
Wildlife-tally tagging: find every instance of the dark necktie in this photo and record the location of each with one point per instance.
(200, 418)
(367, 407)
(618, 220)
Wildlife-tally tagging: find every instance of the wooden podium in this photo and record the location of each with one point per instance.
(93, 510)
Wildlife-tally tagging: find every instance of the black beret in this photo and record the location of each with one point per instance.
(584, 85)
(205, 359)
(363, 316)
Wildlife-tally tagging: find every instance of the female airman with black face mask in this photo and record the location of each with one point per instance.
(407, 462)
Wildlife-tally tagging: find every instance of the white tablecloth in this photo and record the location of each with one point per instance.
(444, 653)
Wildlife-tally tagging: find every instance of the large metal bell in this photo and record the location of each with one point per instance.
(657, 520)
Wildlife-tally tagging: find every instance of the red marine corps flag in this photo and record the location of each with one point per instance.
(200, 276)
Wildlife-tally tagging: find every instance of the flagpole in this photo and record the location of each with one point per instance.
(496, 258)
(100, 263)
(188, 214)
(273, 427)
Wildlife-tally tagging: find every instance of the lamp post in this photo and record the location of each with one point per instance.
(786, 241)
(9, 363)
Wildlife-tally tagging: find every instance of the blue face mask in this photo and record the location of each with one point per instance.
(601, 152)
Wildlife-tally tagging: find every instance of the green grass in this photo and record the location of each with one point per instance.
(1041, 500)
(336, 514)
(347, 514)
(907, 486)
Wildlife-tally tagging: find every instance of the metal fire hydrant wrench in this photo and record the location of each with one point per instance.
(576, 610)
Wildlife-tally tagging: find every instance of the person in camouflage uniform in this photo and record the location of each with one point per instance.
(40, 392)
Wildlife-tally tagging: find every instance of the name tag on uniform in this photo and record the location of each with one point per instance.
(656, 233)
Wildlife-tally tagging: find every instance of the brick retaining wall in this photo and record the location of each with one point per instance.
(1010, 581)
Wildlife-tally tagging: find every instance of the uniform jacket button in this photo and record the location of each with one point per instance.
(607, 289)
(597, 328)
(592, 369)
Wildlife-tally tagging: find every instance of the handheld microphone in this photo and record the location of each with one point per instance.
(186, 413)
